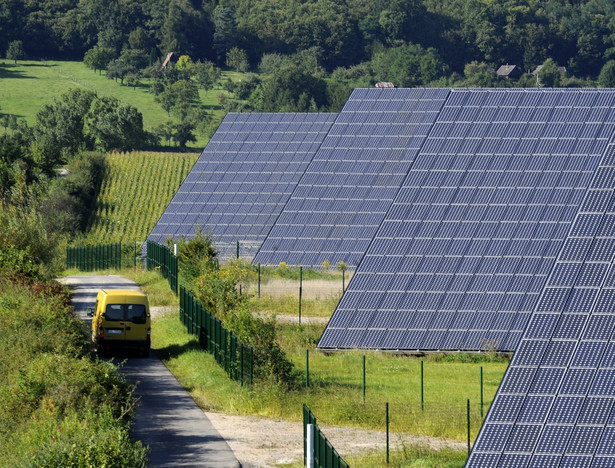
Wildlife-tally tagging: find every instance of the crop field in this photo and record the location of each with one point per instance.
(135, 191)
(29, 85)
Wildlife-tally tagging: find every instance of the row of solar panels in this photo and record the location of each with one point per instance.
(489, 224)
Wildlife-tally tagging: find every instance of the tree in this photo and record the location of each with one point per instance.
(549, 74)
(183, 132)
(238, 59)
(408, 66)
(479, 75)
(119, 69)
(15, 51)
(179, 97)
(225, 31)
(98, 58)
(206, 75)
(60, 126)
(115, 126)
(133, 79)
(607, 75)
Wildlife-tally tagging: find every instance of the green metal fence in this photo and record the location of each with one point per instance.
(95, 257)
(236, 358)
(161, 258)
(325, 455)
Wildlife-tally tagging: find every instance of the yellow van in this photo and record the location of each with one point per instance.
(121, 320)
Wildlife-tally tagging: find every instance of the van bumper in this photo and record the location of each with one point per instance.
(109, 345)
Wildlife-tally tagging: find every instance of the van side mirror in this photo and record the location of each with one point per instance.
(90, 311)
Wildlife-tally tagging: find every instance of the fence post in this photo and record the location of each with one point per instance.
(259, 280)
(481, 392)
(309, 459)
(468, 427)
(300, 290)
(387, 412)
(364, 378)
(237, 250)
(307, 368)
(422, 399)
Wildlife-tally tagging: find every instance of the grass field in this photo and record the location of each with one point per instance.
(135, 191)
(29, 85)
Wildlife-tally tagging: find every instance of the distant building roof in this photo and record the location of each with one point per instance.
(384, 84)
(508, 71)
(562, 70)
(167, 60)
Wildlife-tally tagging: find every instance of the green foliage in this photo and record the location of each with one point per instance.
(290, 89)
(57, 406)
(115, 126)
(479, 75)
(73, 198)
(194, 256)
(80, 119)
(549, 74)
(408, 66)
(607, 75)
(238, 59)
(15, 51)
(272, 62)
(218, 290)
(98, 58)
(23, 234)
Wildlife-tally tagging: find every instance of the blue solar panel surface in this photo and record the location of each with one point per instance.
(345, 192)
(243, 178)
(465, 249)
(555, 405)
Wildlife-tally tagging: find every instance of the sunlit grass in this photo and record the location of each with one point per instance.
(30, 84)
(336, 384)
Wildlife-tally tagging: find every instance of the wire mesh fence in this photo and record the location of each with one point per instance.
(159, 257)
(233, 356)
(95, 257)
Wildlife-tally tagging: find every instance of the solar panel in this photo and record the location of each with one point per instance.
(486, 224)
(243, 178)
(348, 187)
(576, 425)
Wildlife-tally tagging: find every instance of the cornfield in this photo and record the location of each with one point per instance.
(136, 190)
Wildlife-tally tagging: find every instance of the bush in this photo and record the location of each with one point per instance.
(217, 290)
(58, 407)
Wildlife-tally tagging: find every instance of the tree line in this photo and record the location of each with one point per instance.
(578, 34)
(310, 54)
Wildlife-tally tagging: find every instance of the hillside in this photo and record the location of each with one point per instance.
(29, 85)
(136, 189)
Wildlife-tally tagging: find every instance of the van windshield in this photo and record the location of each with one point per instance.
(130, 312)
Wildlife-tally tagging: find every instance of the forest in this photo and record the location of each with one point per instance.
(309, 54)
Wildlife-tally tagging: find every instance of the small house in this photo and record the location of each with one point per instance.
(509, 72)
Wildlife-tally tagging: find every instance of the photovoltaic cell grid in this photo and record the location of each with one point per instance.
(555, 406)
(243, 178)
(463, 253)
(345, 192)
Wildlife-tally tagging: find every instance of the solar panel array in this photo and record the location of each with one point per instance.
(555, 405)
(465, 249)
(243, 178)
(345, 192)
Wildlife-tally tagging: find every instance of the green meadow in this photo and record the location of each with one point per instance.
(28, 85)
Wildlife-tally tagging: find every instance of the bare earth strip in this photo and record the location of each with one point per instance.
(264, 442)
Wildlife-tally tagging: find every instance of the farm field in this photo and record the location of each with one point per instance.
(135, 191)
(29, 85)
